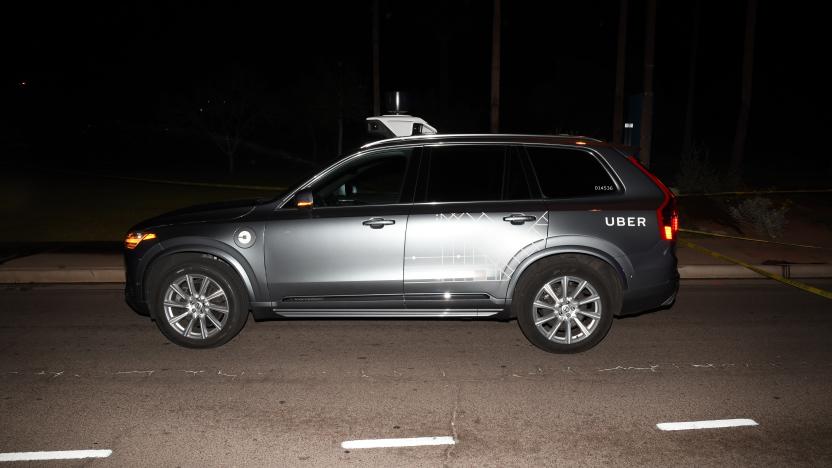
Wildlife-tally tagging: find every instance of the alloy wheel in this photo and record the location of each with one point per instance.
(567, 309)
(196, 306)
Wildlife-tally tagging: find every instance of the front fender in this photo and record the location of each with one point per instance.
(196, 244)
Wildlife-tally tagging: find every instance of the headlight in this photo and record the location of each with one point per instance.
(134, 238)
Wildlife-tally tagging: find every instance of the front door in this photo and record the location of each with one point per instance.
(345, 253)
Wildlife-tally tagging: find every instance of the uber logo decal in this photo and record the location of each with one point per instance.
(622, 221)
(244, 238)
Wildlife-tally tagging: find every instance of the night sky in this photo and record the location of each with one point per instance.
(97, 82)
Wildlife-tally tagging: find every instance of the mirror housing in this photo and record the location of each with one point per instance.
(304, 199)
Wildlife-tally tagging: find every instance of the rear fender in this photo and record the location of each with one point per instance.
(585, 245)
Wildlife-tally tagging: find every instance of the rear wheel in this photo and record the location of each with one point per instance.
(566, 304)
(198, 302)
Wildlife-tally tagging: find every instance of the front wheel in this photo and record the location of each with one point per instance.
(566, 304)
(198, 303)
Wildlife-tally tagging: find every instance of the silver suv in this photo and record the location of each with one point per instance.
(561, 233)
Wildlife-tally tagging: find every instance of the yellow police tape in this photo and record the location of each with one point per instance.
(177, 182)
(788, 281)
(750, 239)
(197, 184)
(754, 192)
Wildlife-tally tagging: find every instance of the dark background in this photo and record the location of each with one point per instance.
(114, 86)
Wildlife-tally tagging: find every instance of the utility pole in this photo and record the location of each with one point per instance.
(376, 66)
(620, 67)
(745, 95)
(647, 99)
(495, 69)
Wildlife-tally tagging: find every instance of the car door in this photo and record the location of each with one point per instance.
(345, 253)
(474, 220)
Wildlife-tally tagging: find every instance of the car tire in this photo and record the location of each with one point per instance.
(197, 301)
(580, 321)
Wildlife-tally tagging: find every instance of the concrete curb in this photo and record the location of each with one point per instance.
(25, 275)
(722, 271)
(22, 275)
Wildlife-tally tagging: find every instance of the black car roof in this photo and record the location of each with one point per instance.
(487, 138)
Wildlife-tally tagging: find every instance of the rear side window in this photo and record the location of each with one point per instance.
(566, 173)
(465, 173)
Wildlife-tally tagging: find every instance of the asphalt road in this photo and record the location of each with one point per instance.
(79, 370)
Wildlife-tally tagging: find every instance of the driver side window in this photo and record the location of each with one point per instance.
(371, 180)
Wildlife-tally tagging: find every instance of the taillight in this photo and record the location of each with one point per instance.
(674, 219)
(666, 214)
(669, 219)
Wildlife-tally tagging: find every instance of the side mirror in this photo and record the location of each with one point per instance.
(304, 199)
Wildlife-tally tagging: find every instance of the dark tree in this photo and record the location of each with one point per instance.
(745, 93)
(687, 142)
(647, 100)
(376, 60)
(225, 111)
(495, 68)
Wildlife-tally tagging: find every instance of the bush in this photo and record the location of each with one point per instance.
(697, 174)
(761, 214)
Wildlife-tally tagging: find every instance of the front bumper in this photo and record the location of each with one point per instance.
(132, 300)
(135, 265)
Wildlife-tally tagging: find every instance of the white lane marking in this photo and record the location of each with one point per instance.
(56, 455)
(407, 442)
(712, 424)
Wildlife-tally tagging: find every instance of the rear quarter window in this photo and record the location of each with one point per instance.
(567, 173)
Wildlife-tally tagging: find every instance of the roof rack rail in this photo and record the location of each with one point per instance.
(582, 137)
(475, 135)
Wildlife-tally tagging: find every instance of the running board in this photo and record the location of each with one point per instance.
(384, 313)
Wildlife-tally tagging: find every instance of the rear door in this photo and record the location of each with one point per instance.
(475, 219)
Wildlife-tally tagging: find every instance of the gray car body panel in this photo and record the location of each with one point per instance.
(329, 255)
(468, 250)
(437, 259)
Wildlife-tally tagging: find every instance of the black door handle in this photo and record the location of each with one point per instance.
(378, 223)
(518, 219)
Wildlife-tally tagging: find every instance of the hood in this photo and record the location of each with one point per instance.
(222, 211)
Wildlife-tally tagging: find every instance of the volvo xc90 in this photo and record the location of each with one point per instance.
(561, 233)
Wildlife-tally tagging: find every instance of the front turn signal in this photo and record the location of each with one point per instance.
(134, 238)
